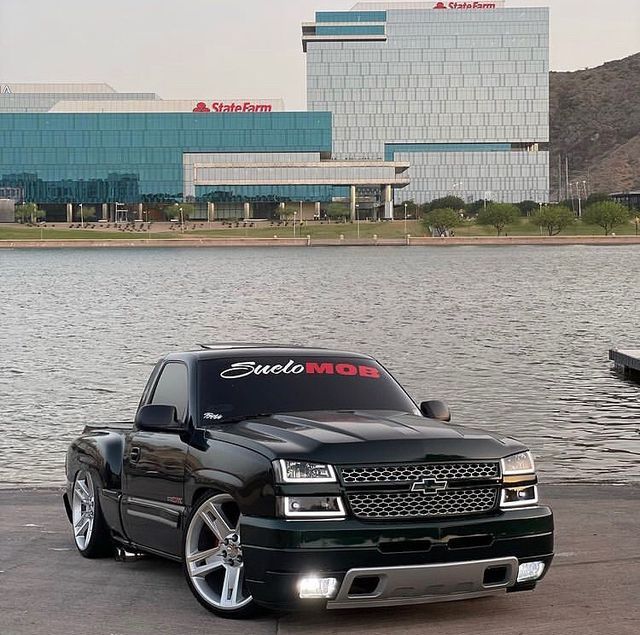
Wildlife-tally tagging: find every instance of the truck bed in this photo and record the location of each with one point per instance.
(114, 426)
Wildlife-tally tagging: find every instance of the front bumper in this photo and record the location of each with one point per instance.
(436, 560)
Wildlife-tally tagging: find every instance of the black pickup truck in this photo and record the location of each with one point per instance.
(290, 477)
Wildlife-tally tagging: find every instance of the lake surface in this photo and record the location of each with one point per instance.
(514, 338)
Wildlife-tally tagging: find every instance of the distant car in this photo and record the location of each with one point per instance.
(290, 477)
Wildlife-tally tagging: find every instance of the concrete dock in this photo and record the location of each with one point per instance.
(46, 588)
(626, 361)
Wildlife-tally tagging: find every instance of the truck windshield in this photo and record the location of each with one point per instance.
(236, 387)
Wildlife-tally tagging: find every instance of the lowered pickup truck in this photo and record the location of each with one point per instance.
(290, 477)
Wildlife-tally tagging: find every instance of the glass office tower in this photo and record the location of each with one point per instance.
(457, 89)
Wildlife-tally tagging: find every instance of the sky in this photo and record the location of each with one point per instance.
(184, 49)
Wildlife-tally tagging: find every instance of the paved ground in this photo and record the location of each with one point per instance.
(46, 588)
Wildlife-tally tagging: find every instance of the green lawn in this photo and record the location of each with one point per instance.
(13, 232)
(382, 229)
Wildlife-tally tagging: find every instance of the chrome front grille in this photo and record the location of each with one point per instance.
(415, 505)
(419, 471)
(421, 490)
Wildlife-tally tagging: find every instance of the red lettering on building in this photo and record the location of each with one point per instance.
(465, 5)
(221, 106)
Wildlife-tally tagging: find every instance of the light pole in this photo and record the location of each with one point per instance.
(81, 217)
(579, 199)
(486, 195)
(405, 219)
(294, 223)
(358, 220)
(181, 221)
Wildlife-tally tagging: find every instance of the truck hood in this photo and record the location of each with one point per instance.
(353, 437)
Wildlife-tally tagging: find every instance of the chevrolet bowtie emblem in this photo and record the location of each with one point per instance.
(429, 486)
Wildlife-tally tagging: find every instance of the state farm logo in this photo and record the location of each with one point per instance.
(220, 106)
(465, 5)
(244, 369)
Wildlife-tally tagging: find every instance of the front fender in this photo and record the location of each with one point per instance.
(242, 473)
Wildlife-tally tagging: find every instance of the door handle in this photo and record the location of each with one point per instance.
(134, 455)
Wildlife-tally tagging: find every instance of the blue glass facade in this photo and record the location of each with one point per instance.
(136, 157)
(356, 29)
(351, 16)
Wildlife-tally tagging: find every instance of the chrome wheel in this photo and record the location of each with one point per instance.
(83, 509)
(213, 555)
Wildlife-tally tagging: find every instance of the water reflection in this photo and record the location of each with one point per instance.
(515, 339)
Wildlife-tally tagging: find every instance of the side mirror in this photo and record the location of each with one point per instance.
(435, 410)
(158, 417)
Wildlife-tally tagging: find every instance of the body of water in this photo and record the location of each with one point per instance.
(515, 339)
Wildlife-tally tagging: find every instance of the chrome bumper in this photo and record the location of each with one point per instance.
(426, 583)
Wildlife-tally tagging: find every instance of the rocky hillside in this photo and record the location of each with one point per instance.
(595, 121)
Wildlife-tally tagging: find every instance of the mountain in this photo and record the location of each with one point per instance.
(595, 122)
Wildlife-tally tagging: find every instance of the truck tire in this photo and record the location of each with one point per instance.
(213, 560)
(90, 532)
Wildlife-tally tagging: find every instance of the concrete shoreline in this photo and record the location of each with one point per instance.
(47, 588)
(238, 241)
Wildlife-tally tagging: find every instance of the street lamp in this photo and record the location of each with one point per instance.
(358, 220)
(579, 199)
(81, 217)
(405, 219)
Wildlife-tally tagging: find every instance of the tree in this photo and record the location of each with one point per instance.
(607, 215)
(338, 211)
(287, 212)
(442, 220)
(526, 207)
(446, 202)
(473, 208)
(172, 210)
(498, 216)
(597, 197)
(28, 213)
(553, 218)
(88, 213)
(412, 208)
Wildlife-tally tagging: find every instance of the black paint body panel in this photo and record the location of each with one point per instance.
(149, 482)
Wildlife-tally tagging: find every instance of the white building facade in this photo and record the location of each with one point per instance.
(459, 90)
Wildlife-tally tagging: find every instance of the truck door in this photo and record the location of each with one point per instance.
(153, 466)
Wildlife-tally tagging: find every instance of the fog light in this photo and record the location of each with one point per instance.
(519, 496)
(313, 587)
(529, 571)
(313, 506)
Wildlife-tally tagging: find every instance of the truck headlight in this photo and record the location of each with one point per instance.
(303, 472)
(521, 463)
(518, 469)
(313, 507)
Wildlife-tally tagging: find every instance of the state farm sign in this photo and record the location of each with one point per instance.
(221, 106)
(465, 5)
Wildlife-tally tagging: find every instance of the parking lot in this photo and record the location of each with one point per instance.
(46, 588)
